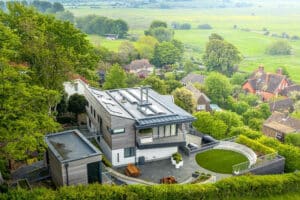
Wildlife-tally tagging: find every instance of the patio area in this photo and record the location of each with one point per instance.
(154, 171)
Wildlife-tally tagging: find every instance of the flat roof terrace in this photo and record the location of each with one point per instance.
(70, 145)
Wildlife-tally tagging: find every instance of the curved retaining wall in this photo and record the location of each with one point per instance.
(239, 148)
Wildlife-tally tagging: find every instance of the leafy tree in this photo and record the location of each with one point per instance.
(215, 36)
(217, 87)
(221, 56)
(256, 123)
(42, 6)
(293, 139)
(265, 110)
(132, 80)
(76, 104)
(204, 26)
(231, 119)
(238, 78)
(156, 84)
(189, 66)
(184, 99)
(172, 84)
(244, 130)
(252, 113)
(250, 99)
(281, 47)
(115, 78)
(162, 34)
(166, 53)
(25, 113)
(145, 46)
(65, 16)
(57, 7)
(127, 52)
(185, 26)
(157, 23)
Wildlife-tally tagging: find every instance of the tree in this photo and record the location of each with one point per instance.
(115, 78)
(293, 139)
(238, 78)
(157, 23)
(221, 56)
(231, 119)
(190, 67)
(172, 84)
(145, 46)
(281, 47)
(77, 104)
(127, 52)
(132, 80)
(217, 87)
(57, 7)
(162, 34)
(166, 53)
(65, 16)
(156, 84)
(184, 99)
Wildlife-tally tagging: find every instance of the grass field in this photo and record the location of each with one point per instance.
(251, 44)
(220, 161)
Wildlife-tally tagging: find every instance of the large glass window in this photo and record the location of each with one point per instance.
(161, 131)
(167, 130)
(155, 132)
(129, 152)
(173, 129)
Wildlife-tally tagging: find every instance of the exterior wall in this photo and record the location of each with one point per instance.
(266, 95)
(272, 133)
(156, 153)
(74, 87)
(118, 158)
(248, 88)
(55, 169)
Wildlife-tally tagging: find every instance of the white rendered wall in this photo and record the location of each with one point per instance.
(74, 87)
(121, 161)
(156, 153)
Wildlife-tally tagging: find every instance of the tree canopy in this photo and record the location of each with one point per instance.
(184, 99)
(115, 78)
(221, 56)
(280, 47)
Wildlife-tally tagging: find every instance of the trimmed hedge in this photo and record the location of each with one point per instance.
(254, 145)
(240, 186)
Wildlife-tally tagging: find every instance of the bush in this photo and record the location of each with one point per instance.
(254, 145)
(177, 157)
(185, 26)
(293, 139)
(246, 131)
(205, 26)
(279, 48)
(229, 188)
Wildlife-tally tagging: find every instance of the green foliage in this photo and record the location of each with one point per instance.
(204, 26)
(167, 53)
(293, 139)
(252, 100)
(291, 153)
(206, 123)
(115, 78)
(231, 119)
(65, 16)
(127, 52)
(190, 67)
(281, 47)
(238, 78)
(132, 80)
(145, 46)
(221, 56)
(25, 113)
(246, 131)
(76, 104)
(184, 99)
(157, 23)
(162, 34)
(156, 84)
(217, 87)
(256, 123)
(93, 24)
(229, 188)
(177, 157)
(172, 84)
(254, 145)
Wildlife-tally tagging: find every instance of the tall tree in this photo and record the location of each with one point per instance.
(166, 53)
(157, 23)
(127, 52)
(115, 78)
(145, 46)
(221, 56)
(184, 99)
(76, 104)
(156, 84)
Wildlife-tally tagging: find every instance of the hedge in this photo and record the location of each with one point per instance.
(254, 145)
(240, 186)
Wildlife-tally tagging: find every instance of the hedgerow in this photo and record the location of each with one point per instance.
(240, 186)
(254, 145)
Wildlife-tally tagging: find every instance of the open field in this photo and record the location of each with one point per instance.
(251, 44)
(220, 161)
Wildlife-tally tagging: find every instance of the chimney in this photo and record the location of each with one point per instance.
(279, 71)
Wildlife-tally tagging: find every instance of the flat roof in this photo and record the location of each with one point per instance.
(70, 145)
(127, 103)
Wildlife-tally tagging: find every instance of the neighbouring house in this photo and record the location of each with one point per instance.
(288, 90)
(280, 124)
(135, 125)
(282, 105)
(203, 102)
(72, 159)
(193, 78)
(142, 68)
(265, 84)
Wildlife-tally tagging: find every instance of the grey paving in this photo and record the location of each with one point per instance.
(154, 171)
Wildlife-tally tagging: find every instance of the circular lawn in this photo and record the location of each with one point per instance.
(220, 161)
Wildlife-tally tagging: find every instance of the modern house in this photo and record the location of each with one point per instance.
(72, 159)
(267, 85)
(142, 68)
(193, 78)
(280, 124)
(135, 124)
(203, 102)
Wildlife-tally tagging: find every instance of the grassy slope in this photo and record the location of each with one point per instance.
(220, 161)
(251, 44)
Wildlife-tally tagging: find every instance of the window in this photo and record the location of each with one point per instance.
(118, 131)
(167, 131)
(173, 129)
(76, 87)
(161, 131)
(91, 109)
(155, 132)
(129, 152)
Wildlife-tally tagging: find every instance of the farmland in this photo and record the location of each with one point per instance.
(247, 37)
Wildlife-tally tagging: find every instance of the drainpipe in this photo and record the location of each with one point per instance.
(67, 173)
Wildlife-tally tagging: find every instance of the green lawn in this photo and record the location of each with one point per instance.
(220, 161)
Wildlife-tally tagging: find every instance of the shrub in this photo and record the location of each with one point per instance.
(246, 131)
(185, 26)
(204, 26)
(177, 157)
(254, 145)
(293, 139)
(106, 162)
(279, 48)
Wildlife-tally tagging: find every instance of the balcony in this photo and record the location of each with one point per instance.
(146, 140)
